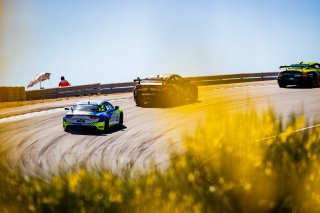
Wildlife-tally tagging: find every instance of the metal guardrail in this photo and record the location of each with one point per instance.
(116, 88)
(93, 89)
(60, 92)
(232, 78)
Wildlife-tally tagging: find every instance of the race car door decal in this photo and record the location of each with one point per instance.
(114, 118)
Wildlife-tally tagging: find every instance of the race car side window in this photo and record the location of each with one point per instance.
(317, 66)
(109, 106)
(179, 80)
(102, 108)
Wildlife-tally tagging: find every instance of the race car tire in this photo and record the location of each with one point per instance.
(66, 129)
(177, 99)
(282, 85)
(194, 94)
(121, 119)
(173, 98)
(139, 101)
(315, 81)
(106, 126)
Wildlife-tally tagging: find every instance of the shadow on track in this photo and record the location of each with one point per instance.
(300, 87)
(94, 131)
(166, 105)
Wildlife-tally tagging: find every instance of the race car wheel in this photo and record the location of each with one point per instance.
(173, 98)
(106, 126)
(66, 129)
(194, 94)
(282, 85)
(139, 101)
(121, 119)
(177, 99)
(315, 81)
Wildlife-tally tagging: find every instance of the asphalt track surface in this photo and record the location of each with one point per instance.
(37, 144)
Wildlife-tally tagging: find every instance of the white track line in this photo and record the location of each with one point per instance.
(295, 131)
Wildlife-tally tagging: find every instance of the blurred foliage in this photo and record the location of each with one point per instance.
(235, 162)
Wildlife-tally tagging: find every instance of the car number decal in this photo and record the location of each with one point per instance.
(114, 118)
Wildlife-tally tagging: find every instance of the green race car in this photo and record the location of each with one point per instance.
(99, 115)
(300, 74)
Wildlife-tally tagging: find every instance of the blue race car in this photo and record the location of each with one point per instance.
(99, 115)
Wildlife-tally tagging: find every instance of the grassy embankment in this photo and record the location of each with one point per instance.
(231, 164)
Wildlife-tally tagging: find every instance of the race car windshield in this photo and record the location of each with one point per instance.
(86, 107)
(299, 65)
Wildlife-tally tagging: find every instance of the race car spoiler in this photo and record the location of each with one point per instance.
(139, 79)
(295, 66)
(285, 66)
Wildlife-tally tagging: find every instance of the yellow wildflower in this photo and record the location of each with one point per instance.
(172, 196)
(268, 171)
(73, 180)
(191, 178)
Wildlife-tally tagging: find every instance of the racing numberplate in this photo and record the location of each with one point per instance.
(291, 79)
(81, 121)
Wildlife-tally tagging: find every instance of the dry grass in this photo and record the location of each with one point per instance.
(4, 105)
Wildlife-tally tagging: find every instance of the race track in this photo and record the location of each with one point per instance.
(37, 144)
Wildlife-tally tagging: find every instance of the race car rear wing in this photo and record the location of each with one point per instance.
(284, 67)
(294, 66)
(137, 80)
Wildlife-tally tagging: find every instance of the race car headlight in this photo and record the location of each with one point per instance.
(280, 74)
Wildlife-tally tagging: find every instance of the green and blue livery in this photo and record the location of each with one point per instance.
(100, 115)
